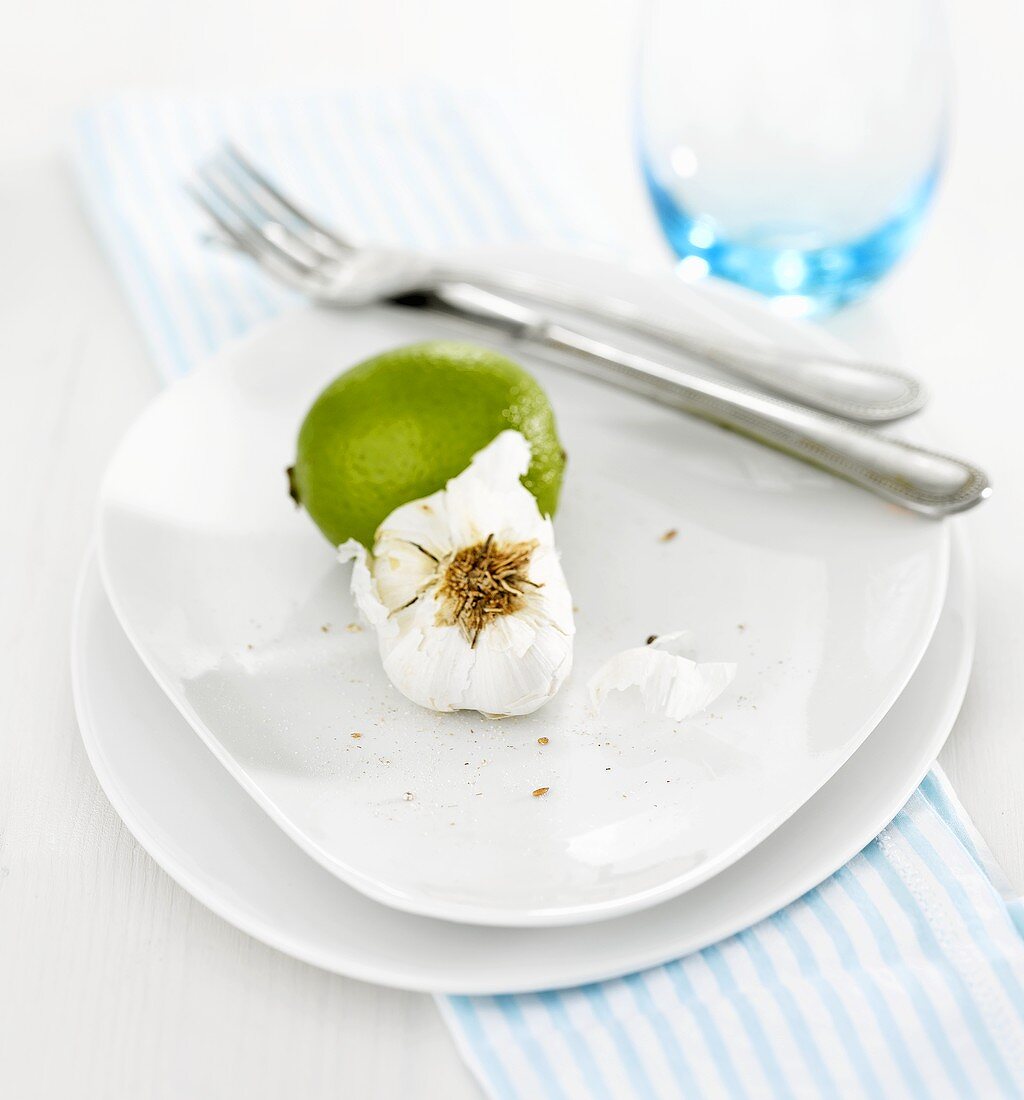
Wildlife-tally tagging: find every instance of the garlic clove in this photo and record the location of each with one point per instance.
(431, 665)
(363, 587)
(670, 685)
(483, 499)
(402, 570)
(424, 523)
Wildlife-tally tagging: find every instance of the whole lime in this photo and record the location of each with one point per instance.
(399, 426)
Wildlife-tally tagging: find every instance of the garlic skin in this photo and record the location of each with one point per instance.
(466, 593)
(670, 683)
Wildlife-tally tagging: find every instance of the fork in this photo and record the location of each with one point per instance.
(258, 219)
(845, 387)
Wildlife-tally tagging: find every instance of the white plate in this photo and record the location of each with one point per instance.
(199, 825)
(824, 596)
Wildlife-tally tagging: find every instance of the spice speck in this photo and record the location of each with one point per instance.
(542, 740)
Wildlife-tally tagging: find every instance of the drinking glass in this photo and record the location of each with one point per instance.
(793, 146)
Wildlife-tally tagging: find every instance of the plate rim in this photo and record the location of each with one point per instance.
(396, 976)
(441, 908)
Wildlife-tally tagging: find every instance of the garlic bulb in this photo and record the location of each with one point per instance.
(466, 593)
(670, 682)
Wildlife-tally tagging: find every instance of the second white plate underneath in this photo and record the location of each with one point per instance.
(824, 596)
(206, 832)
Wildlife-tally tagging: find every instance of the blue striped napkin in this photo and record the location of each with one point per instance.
(903, 974)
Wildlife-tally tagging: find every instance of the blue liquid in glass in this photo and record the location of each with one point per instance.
(808, 280)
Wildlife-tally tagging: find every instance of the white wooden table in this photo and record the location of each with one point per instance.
(113, 982)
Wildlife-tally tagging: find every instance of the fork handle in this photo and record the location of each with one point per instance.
(854, 389)
(926, 482)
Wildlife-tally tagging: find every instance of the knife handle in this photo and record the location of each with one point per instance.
(922, 480)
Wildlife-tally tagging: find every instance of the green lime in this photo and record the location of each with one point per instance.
(401, 425)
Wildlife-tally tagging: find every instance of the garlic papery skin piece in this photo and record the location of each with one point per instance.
(671, 684)
(466, 593)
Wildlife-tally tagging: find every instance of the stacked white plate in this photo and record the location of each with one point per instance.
(239, 721)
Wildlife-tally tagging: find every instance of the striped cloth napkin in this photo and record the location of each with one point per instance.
(903, 974)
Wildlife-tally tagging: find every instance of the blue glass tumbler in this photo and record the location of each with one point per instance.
(793, 146)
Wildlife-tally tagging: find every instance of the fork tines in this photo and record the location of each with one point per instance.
(255, 216)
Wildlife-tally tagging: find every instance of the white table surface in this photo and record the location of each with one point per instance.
(114, 983)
